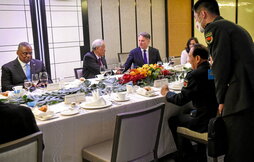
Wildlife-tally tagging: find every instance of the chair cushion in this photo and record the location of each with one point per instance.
(99, 153)
(191, 133)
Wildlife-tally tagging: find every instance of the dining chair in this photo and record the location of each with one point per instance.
(78, 72)
(122, 57)
(136, 137)
(25, 149)
(195, 136)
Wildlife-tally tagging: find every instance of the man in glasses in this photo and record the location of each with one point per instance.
(15, 72)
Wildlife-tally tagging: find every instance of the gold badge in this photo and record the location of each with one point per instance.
(209, 38)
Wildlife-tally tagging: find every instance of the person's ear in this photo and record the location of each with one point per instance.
(198, 59)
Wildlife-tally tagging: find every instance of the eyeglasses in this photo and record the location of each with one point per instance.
(27, 53)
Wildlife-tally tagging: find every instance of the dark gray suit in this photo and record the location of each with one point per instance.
(136, 57)
(13, 74)
(91, 66)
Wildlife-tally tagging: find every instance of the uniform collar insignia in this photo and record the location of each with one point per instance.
(209, 38)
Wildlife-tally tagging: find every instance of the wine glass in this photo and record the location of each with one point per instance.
(103, 69)
(35, 79)
(27, 84)
(108, 90)
(43, 76)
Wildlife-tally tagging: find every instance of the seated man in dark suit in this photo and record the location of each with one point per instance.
(93, 61)
(15, 72)
(16, 122)
(144, 54)
(200, 89)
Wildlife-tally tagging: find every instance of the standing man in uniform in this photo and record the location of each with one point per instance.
(232, 51)
(198, 88)
(144, 54)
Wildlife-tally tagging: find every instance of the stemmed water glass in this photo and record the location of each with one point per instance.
(103, 69)
(109, 90)
(35, 79)
(27, 84)
(43, 76)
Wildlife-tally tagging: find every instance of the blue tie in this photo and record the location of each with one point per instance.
(28, 73)
(145, 58)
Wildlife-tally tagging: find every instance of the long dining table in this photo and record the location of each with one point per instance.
(65, 136)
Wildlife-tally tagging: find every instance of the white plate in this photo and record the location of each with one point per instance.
(49, 118)
(70, 112)
(175, 88)
(108, 103)
(3, 97)
(150, 95)
(118, 100)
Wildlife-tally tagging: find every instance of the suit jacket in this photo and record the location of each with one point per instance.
(232, 50)
(201, 91)
(136, 57)
(91, 66)
(13, 74)
(16, 122)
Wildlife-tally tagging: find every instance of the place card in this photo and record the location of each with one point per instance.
(79, 97)
(53, 86)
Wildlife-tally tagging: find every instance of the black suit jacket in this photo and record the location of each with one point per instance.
(232, 50)
(13, 74)
(16, 122)
(136, 57)
(91, 66)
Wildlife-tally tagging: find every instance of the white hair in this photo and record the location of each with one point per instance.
(97, 43)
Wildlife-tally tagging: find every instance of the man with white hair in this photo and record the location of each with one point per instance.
(93, 61)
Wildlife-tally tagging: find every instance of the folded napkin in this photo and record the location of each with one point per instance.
(144, 92)
(43, 115)
(97, 100)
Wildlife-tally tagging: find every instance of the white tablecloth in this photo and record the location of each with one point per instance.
(66, 136)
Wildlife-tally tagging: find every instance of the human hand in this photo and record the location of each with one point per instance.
(164, 90)
(220, 108)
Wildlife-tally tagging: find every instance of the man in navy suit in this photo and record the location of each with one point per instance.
(144, 54)
(93, 61)
(15, 72)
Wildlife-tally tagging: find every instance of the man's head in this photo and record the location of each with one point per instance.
(205, 11)
(24, 52)
(198, 54)
(143, 40)
(98, 47)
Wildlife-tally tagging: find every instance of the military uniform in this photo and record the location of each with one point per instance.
(232, 50)
(201, 91)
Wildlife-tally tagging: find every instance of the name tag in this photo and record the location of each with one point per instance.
(210, 74)
(79, 97)
(53, 86)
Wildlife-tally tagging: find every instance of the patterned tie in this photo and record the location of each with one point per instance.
(28, 73)
(99, 60)
(145, 58)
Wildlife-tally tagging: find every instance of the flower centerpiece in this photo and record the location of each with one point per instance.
(145, 75)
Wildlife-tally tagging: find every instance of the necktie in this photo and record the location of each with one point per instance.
(28, 73)
(145, 57)
(99, 60)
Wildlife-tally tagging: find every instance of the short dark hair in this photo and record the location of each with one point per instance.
(145, 34)
(200, 50)
(187, 48)
(24, 44)
(210, 5)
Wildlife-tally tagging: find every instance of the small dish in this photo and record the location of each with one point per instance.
(70, 112)
(88, 107)
(119, 100)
